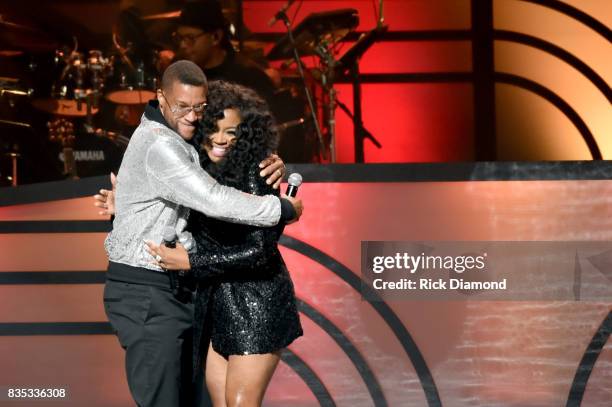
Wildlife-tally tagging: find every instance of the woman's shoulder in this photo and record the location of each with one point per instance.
(256, 183)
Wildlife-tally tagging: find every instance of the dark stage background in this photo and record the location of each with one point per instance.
(451, 80)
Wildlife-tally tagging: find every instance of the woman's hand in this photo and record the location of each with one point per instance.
(274, 169)
(167, 258)
(106, 199)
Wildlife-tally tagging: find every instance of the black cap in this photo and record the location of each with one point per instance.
(206, 15)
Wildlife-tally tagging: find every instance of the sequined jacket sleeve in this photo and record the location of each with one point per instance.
(213, 258)
(175, 177)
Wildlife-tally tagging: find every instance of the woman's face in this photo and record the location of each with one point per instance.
(220, 142)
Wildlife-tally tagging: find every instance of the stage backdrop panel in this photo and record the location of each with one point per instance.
(53, 331)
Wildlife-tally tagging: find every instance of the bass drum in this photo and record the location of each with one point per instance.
(93, 155)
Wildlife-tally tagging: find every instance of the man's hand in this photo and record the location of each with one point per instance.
(274, 169)
(106, 199)
(297, 205)
(169, 259)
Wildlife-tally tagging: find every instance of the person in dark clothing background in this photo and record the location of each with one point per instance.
(203, 37)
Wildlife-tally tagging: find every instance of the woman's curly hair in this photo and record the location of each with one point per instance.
(256, 135)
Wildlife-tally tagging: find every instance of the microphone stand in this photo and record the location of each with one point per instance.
(282, 15)
(366, 133)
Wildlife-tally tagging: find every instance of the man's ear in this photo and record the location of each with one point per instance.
(160, 97)
(217, 37)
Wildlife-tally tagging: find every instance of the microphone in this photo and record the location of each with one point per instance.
(169, 240)
(169, 237)
(295, 180)
(178, 284)
(279, 14)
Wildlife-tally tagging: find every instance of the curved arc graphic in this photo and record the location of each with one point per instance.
(576, 14)
(587, 363)
(395, 324)
(557, 101)
(561, 54)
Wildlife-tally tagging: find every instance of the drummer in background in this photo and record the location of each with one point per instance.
(203, 36)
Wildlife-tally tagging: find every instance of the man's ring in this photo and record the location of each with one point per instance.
(158, 258)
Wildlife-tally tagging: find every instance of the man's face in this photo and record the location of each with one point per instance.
(180, 98)
(194, 44)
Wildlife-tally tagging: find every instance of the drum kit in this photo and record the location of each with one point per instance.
(73, 92)
(71, 87)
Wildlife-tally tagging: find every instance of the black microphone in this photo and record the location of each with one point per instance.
(169, 240)
(279, 13)
(295, 180)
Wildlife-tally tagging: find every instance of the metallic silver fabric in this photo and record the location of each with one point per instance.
(159, 179)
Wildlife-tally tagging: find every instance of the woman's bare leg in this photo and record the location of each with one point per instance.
(248, 377)
(216, 372)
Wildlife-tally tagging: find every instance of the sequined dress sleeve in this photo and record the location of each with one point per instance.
(214, 257)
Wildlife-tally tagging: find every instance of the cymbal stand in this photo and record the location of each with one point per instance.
(14, 156)
(328, 64)
(282, 15)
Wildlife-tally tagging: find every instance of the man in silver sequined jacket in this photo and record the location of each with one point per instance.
(159, 180)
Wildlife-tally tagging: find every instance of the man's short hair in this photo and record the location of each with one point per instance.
(185, 72)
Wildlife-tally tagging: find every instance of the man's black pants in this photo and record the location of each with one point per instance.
(155, 329)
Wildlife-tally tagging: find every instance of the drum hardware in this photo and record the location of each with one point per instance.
(289, 124)
(9, 53)
(117, 138)
(122, 51)
(100, 68)
(19, 37)
(11, 91)
(326, 76)
(133, 86)
(13, 177)
(62, 131)
(77, 91)
(13, 153)
(350, 62)
(15, 26)
(170, 15)
(317, 35)
(16, 92)
(17, 124)
(315, 28)
(328, 26)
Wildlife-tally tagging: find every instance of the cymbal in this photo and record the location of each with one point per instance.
(62, 107)
(8, 53)
(162, 16)
(316, 28)
(10, 25)
(170, 15)
(19, 37)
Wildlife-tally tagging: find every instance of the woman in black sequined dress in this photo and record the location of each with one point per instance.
(245, 307)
